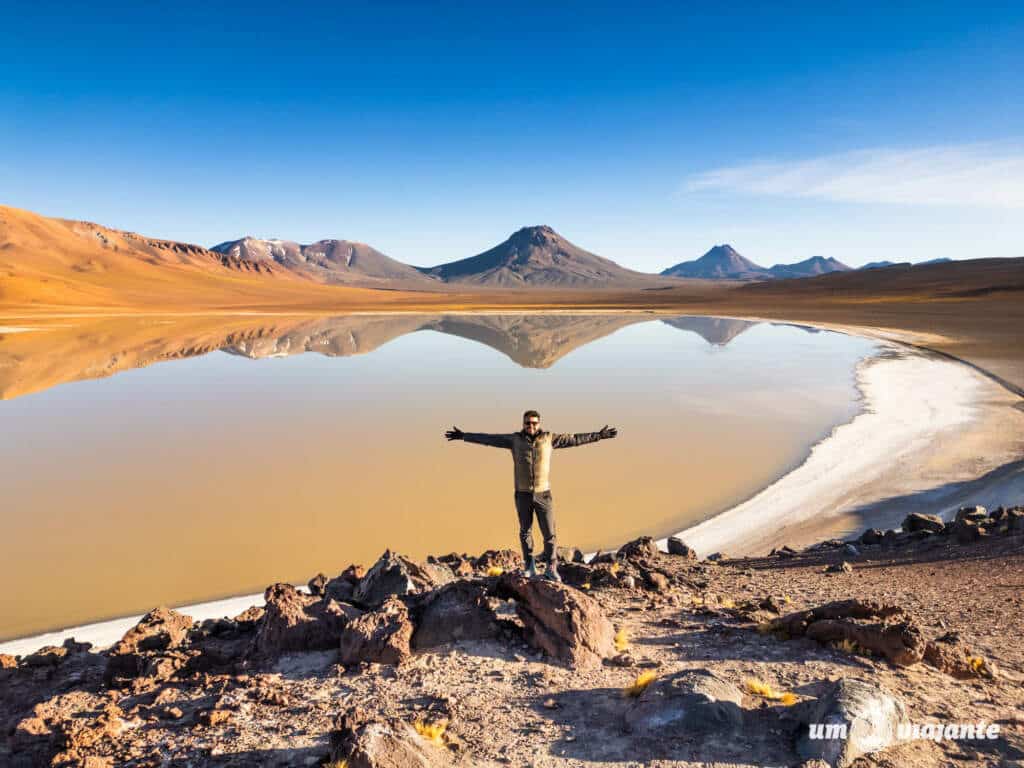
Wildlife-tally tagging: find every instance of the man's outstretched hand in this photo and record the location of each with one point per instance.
(454, 434)
(608, 432)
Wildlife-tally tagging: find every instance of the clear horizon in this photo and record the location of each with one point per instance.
(859, 133)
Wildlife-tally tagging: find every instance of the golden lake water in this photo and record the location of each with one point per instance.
(172, 461)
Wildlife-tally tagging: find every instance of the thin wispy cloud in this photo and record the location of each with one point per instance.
(985, 175)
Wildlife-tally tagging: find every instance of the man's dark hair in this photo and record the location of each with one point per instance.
(530, 414)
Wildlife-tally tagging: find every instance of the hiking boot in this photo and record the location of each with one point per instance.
(551, 573)
(530, 571)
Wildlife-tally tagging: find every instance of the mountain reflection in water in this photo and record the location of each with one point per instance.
(35, 360)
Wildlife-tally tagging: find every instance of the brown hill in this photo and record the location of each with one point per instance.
(331, 261)
(540, 257)
(48, 264)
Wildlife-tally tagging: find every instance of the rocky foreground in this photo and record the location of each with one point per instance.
(641, 657)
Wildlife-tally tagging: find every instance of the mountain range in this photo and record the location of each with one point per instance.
(342, 262)
(48, 262)
(539, 256)
(723, 262)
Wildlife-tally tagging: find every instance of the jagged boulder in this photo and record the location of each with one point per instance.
(294, 621)
(506, 559)
(975, 514)
(643, 548)
(460, 565)
(899, 641)
(364, 741)
(561, 621)
(570, 554)
(343, 586)
(917, 521)
(397, 575)
(456, 611)
(317, 584)
(382, 636)
(966, 531)
(871, 536)
(694, 701)
(868, 713)
(677, 546)
(159, 630)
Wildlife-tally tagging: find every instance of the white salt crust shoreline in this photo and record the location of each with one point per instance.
(909, 398)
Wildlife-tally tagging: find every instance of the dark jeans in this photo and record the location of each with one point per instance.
(540, 504)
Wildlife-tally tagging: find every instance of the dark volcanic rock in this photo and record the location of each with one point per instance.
(506, 559)
(677, 546)
(872, 717)
(917, 521)
(456, 611)
(159, 630)
(364, 741)
(382, 636)
(317, 585)
(966, 531)
(871, 536)
(398, 575)
(899, 641)
(294, 621)
(692, 702)
(639, 549)
(975, 514)
(561, 621)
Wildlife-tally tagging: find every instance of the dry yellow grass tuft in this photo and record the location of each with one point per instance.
(495, 570)
(728, 602)
(615, 569)
(847, 645)
(432, 732)
(621, 639)
(338, 764)
(640, 684)
(764, 690)
(980, 666)
(585, 585)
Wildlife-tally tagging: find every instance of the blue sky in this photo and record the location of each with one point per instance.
(644, 132)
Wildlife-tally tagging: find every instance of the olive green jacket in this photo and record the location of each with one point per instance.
(531, 459)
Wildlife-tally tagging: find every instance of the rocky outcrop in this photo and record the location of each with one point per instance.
(561, 621)
(294, 621)
(677, 546)
(948, 654)
(382, 636)
(694, 701)
(917, 521)
(457, 611)
(643, 548)
(159, 630)
(870, 715)
(343, 586)
(364, 741)
(397, 575)
(975, 514)
(848, 620)
(506, 559)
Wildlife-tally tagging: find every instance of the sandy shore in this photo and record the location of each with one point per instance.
(933, 432)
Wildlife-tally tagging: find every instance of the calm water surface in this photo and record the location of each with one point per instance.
(238, 460)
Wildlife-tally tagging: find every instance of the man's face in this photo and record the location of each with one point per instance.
(531, 425)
